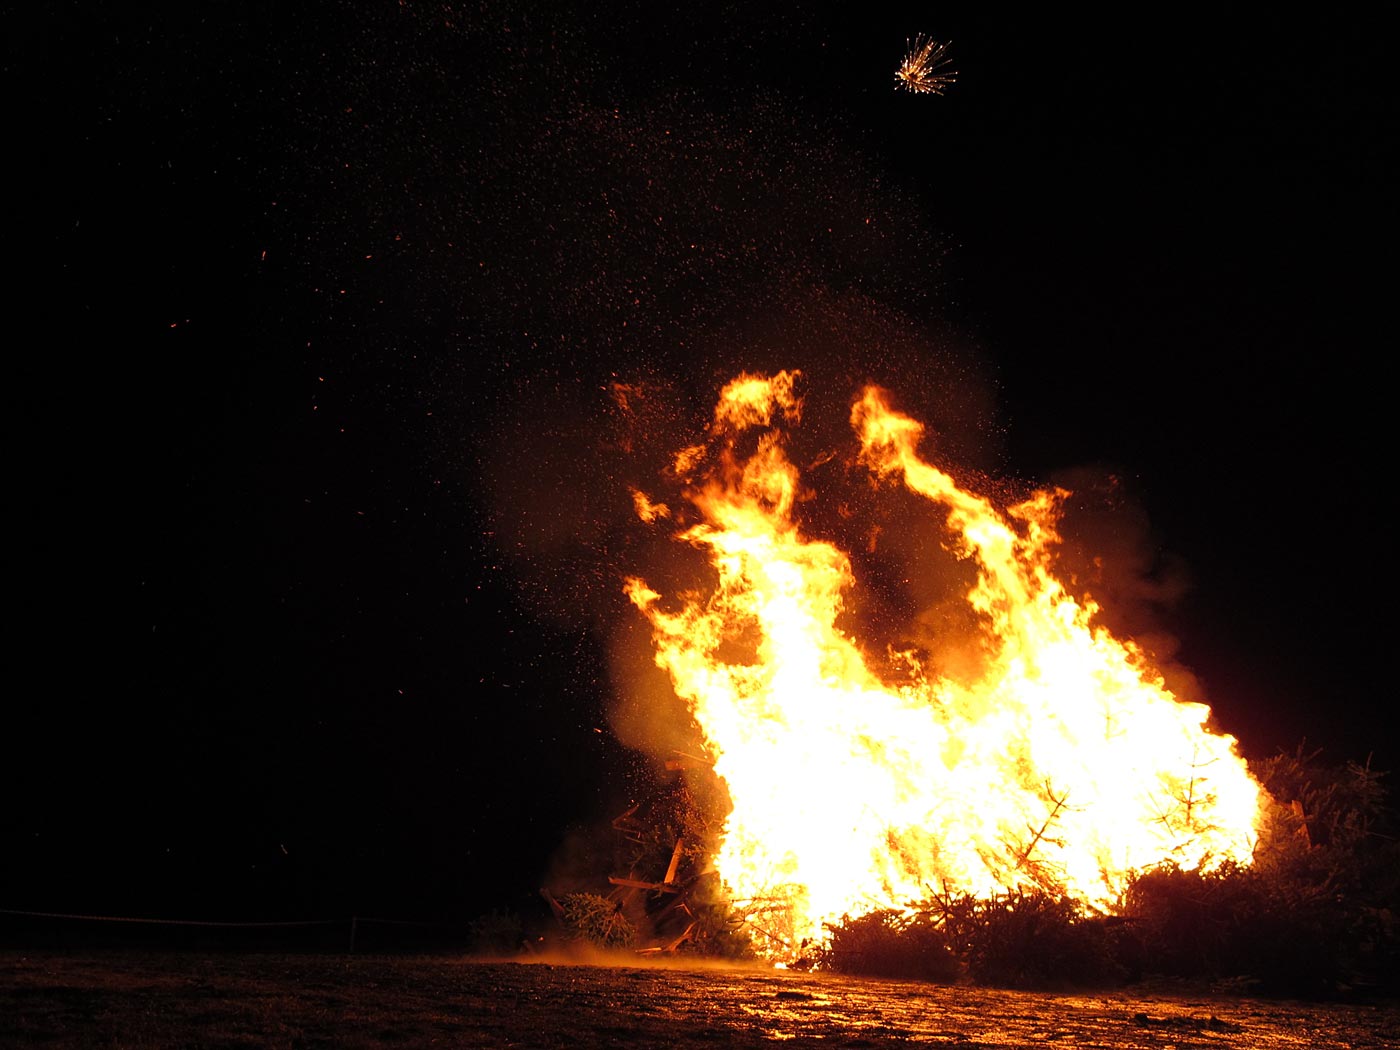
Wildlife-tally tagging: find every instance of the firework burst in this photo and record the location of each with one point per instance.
(925, 69)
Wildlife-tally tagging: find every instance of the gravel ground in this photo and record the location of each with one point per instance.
(149, 1000)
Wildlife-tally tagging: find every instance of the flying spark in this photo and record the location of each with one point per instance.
(925, 69)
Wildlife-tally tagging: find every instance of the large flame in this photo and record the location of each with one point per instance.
(1064, 764)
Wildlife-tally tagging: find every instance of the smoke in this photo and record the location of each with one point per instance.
(682, 247)
(630, 260)
(643, 258)
(1111, 554)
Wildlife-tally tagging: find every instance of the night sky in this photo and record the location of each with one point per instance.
(320, 494)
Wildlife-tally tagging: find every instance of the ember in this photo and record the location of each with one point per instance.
(1061, 762)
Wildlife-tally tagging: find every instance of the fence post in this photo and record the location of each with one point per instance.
(354, 925)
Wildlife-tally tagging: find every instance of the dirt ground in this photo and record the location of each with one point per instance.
(153, 1000)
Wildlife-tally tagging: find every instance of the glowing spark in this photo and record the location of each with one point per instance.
(925, 69)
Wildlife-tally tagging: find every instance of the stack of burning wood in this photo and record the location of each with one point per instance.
(664, 892)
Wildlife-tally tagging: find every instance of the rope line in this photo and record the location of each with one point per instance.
(207, 922)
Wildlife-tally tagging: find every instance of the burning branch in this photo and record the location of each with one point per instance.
(1037, 834)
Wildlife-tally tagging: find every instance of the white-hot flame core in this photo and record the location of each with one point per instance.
(1066, 765)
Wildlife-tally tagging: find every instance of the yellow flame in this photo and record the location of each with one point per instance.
(1065, 765)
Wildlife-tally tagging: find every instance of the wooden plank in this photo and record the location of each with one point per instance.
(624, 820)
(682, 938)
(637, 884)
(684, 761)
(675, 861)
(554, 905)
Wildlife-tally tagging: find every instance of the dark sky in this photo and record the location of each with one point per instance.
(317, 488)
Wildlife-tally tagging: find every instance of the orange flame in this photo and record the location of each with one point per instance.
(1066, 764)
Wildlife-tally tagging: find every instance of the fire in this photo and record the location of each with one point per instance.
(1063, 763)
